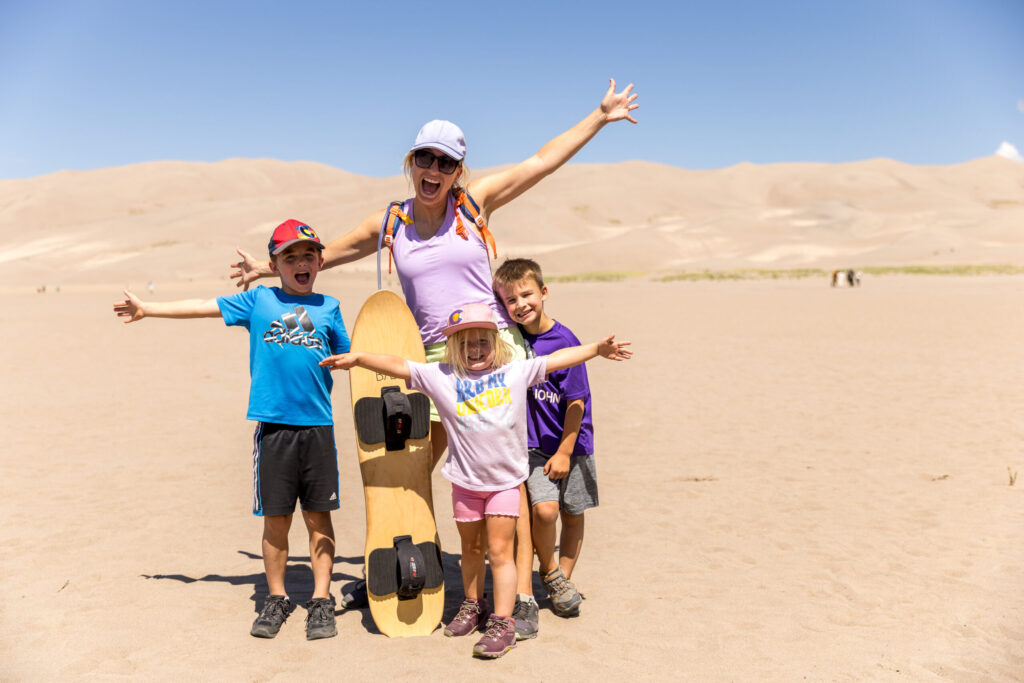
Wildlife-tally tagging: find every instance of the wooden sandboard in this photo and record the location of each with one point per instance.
(396, 484)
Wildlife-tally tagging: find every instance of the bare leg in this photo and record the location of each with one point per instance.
(275, 551)
(473, 568)
(438, 443)
(545, 516)
(571, 542)
(524, 546)
(500, 533)
(321, 550)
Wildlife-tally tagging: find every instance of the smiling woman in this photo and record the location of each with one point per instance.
(442, 260)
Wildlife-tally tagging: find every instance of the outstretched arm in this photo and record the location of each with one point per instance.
(494, 191)
(395, 366)
(574, 355)
(352, 246)
(134, 308)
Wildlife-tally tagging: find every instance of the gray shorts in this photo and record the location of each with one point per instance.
(576, 493)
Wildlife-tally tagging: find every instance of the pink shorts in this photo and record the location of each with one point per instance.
(472, 506)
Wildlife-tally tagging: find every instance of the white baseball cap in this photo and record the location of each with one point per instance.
(442, 135)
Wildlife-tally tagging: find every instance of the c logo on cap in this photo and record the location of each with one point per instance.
(306, 232)
(455, 317)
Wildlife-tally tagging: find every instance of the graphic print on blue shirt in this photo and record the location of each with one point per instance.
(294, 328)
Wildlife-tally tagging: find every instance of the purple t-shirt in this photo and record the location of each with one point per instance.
(485, 417)
(546, 401)
(443, 273)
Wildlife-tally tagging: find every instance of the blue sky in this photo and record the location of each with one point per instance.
(98, 83)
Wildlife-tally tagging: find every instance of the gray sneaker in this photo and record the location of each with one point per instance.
(320, 619)
(276, 609)
(526, 614)
(565, 599)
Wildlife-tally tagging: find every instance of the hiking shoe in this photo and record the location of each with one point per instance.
(565, 599)
(276, 609)
(357, 598)
(320, 619)
(471, 614)
(499, 638)
(526, 614)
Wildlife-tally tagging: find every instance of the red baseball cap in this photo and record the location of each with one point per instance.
(290, 232)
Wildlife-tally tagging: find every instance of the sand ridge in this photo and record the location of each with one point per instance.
(172, 221)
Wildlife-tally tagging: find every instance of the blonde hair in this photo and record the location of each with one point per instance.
(462, 183)
(503, 351)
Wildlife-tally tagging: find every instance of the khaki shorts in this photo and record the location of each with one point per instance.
(511, 335)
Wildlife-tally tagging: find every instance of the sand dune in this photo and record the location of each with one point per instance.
(172, 221)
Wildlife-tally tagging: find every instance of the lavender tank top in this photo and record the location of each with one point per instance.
(442, 273)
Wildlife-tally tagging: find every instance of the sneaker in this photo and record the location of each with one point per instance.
(565, 599)
(276, 609)
(499, 638)
(471, 614)
(357, 598)
(320, 619)
(526, 614)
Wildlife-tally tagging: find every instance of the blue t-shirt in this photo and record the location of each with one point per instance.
(288, 336)
(546, 401)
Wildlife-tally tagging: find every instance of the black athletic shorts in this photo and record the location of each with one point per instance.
(292, 463)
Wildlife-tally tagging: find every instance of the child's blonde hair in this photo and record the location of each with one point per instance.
(504, 353)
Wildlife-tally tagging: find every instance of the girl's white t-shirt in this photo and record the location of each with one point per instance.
(485, 417)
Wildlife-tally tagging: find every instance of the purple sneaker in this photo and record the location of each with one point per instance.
(499, 638)
(471, 614)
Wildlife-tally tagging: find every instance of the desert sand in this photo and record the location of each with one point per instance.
(797, 482)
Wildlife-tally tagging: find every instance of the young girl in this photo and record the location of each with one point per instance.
(480, 393)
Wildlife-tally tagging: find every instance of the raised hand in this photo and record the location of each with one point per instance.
(131, 308)
(616, 106)
(248, 269)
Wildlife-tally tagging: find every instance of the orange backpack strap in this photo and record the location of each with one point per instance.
(392, 217)
(465, 204)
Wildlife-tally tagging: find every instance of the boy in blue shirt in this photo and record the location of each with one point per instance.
(563, 478)
(291, 329)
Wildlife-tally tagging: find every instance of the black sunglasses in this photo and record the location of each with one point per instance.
(425, 159)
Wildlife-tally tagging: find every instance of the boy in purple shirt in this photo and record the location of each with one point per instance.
(563, 479)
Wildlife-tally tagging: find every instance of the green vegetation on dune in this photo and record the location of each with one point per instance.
(786, 274)
(743, 274)
(600, 276)
(992, 269)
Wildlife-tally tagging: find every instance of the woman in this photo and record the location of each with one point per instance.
(442, 260)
